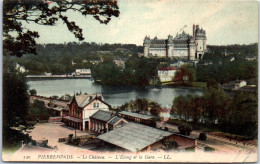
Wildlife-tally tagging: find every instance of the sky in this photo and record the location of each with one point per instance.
(225, 21)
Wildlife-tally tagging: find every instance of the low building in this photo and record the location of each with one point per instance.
(20, 68)
(166, 73)
(120, 63)
(250, 58)
(121, 50)
(47, 74)
(234, 85)
(103, 121)
(82, 72)
(135, 137)
(136, 117)
(82, 107)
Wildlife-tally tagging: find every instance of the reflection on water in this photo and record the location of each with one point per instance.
(115, 96)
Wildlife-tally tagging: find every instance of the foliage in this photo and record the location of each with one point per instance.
(142, 106)
(13, 138)
(138, 71)
(185, 129)
(186, 74)
(67, 97)
(65, 58)
(215, 109)
(243, 119)
(17, 13)
(54, 97)
(202, 137)
(38, 111)
(207, 148)
(15, 105)
(33, 92)
(108, 73)
(15, 96)
(230, 66)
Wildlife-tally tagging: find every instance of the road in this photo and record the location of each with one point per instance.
(52, 132)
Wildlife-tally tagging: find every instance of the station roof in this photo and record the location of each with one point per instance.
(114, 120)
(134, 137)
(102, 115)
(137, 115)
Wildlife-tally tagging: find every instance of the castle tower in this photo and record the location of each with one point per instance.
(170, 46)
(200, 42)
(192, 52)
(146, 45)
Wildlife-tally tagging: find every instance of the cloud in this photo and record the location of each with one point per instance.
(225, 21)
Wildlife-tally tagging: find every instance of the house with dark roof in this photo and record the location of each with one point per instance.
(135, 137)
(81, 107)
(103, 121)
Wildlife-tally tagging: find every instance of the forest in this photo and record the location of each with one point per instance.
(218, 111)
(65, 58)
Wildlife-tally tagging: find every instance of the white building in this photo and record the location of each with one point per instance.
(80, 72)
(240, 83)
(166, 73)
(120, 63)
(20, 68)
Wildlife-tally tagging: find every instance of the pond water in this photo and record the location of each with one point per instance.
(115, 96)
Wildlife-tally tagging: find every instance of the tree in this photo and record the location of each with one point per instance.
(15, 104)
(244, 114)
(180, 105)
(155, 108)
(215, 103)
(203, 137)
(185, 129)
(33, 92)
(38, 110)
(186, 74)
(17, 13)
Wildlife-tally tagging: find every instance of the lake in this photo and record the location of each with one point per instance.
(115, 96)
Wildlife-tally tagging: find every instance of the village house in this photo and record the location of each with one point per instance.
(136, 117)
(135, 137)
(81, 107)
(103, 121)
(166, 73)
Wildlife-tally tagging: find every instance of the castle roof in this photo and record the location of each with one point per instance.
(182, 35)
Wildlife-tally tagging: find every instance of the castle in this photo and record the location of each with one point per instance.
(183, 46)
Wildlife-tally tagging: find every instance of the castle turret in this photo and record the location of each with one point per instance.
(192, 52)
(146, 45)
(170, 46)
(200, 42)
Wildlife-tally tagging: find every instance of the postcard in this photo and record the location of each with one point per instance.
(130, 81)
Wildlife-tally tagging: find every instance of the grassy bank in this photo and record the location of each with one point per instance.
(176, 84)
